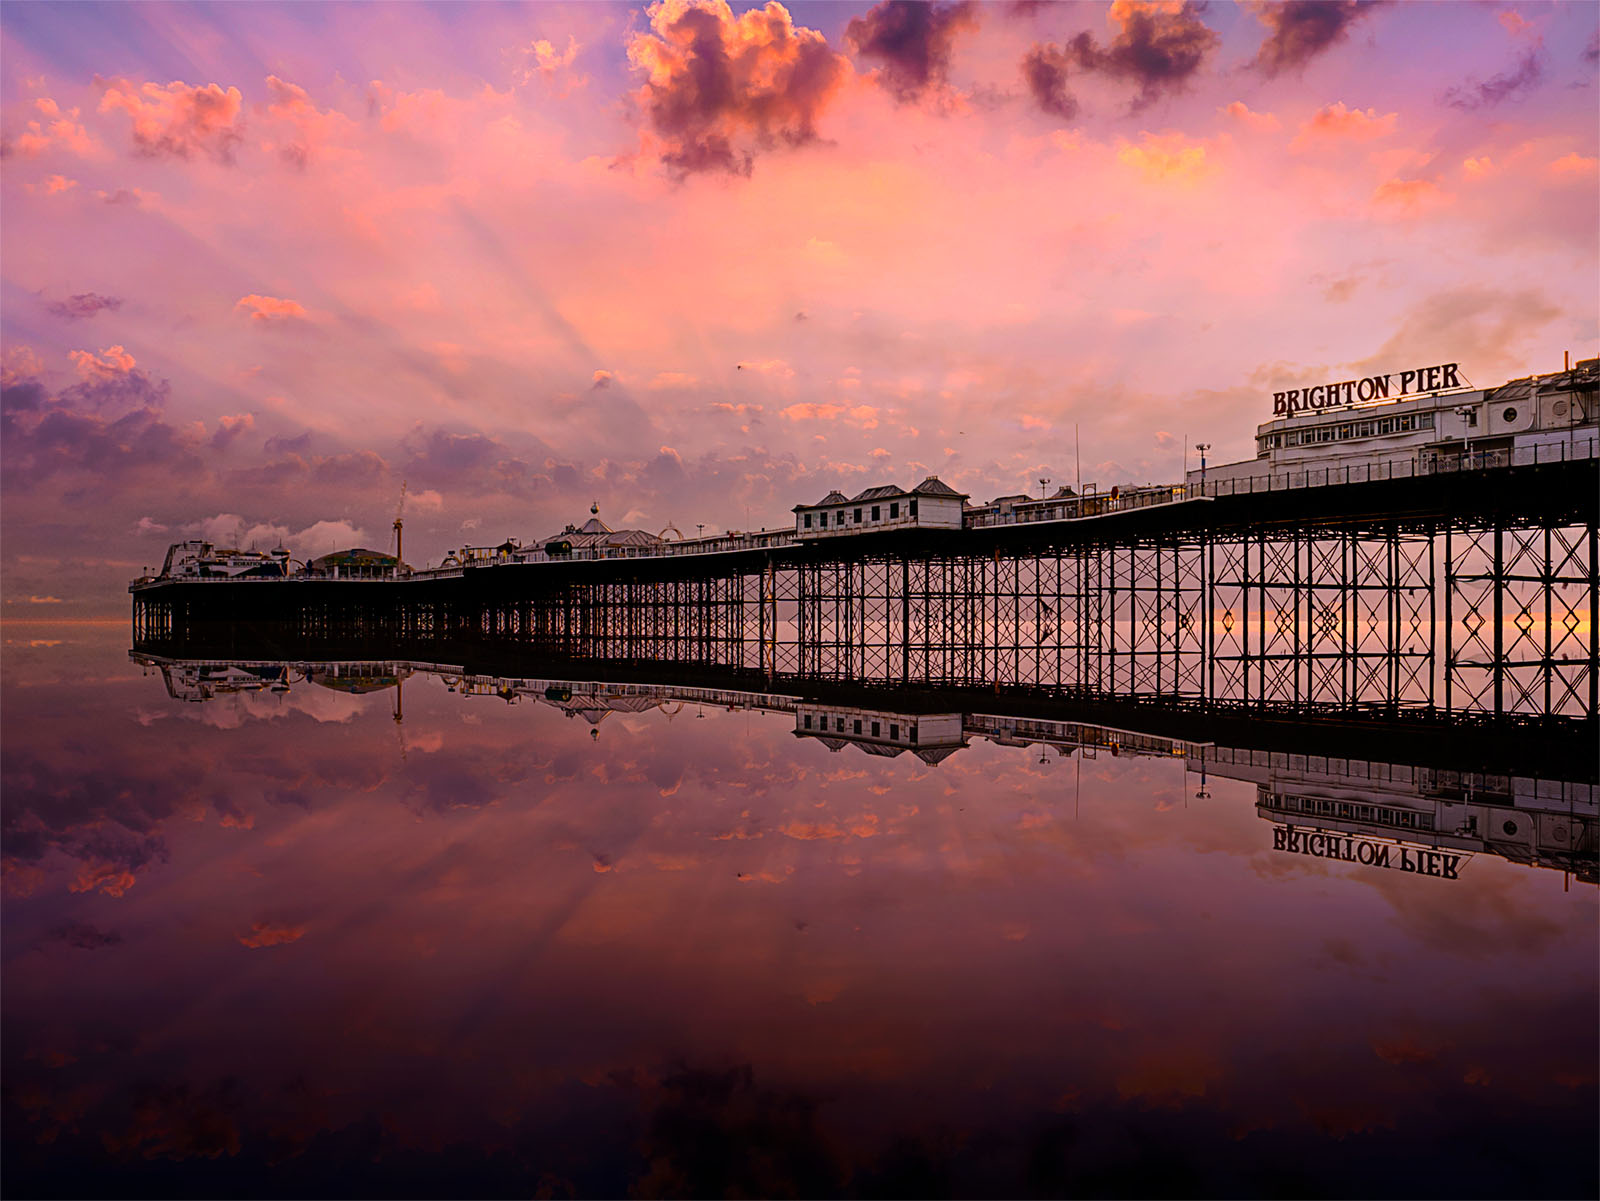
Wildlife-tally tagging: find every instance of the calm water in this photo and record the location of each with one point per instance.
(280, 942)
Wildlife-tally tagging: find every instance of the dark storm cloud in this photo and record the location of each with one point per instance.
(1157, 49)
(1300, 30)
(1508, 85)
(83, 305)
(1044, 70)
(911, 42)
(722, 87)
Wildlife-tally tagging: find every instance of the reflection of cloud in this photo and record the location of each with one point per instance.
(271, 934)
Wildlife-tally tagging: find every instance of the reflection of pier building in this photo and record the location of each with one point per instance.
(931, 737)
(1544, 823)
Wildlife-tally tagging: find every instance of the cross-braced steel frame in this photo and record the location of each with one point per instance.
(1323, 617)
(1520, 607)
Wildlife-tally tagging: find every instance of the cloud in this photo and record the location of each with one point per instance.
(719, 88)
(229, 428)
(1300, 30)
(271, 934)
(270, 310)
(1335, 123)
(54, 185)
(1165, 157)
(56, 127)
(107, 426)
(862, 416)
(1497, 90)
(1044, 70)
(178, 121)
(602, 379)
(540, 60)
(83, 305)
(44, 600)
(1159, 46)
(319, 538)
(1410, 196)
(1260, 122)
(310, 128)
(912, 41)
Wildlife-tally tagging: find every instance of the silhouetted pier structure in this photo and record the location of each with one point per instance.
(1472, 590)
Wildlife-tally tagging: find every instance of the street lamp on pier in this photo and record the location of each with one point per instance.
(1202, 447)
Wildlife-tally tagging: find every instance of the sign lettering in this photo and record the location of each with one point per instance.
(1356, 391)
(1324, 844)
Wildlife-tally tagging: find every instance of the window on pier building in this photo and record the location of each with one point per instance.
(838, 518)
(894, 509)
(913, 509)
(858, 516)
(808, 721)
(875, 512)
(874, 729)
(894, 730)
(838, 725)
(808, 521)
(857, 728)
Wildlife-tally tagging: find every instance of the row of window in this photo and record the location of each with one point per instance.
(877, 727)
(1356, 811)
(877, 514)
(1372, 427)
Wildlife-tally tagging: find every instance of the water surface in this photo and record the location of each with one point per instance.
(281, 942)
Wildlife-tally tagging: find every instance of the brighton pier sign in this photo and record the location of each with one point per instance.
(1325, 844)
(1320, 397)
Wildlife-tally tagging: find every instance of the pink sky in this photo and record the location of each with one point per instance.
(262, 263)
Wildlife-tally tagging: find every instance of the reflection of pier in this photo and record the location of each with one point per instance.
(1447, 789)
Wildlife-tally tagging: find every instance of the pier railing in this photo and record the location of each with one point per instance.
(1418, 463)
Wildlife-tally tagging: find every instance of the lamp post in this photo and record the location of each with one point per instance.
(1202, 447)
(1466, 413)
(1043, 484)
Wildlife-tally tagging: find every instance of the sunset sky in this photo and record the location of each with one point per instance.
(697, 262)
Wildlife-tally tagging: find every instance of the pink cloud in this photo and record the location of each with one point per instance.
(178, 120)
(1410, 196)
(1260, 122)
(112, 361)
(1336, 123)
(54, 127)
(270, 310)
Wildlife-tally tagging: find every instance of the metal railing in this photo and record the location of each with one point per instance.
(1418, 463)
